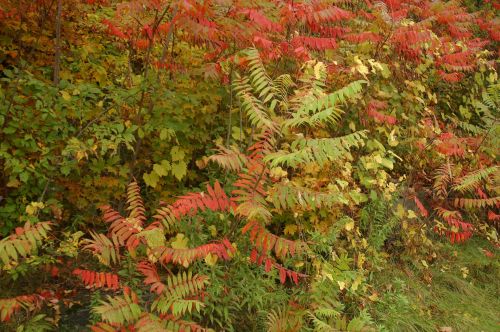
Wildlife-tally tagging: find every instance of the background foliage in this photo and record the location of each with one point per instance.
(249, 165)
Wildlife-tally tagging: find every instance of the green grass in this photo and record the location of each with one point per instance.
(416, 299)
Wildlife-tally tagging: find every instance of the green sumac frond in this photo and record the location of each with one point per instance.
(25, 240)
(286, 195)
(357, 324)
(319, 150)
(178, 307)
(175, 293)
(471, 128)
(254, 108)
(120, 309)
(320, 325)
(473, 179)
(262, 84)
(283, 319)
(314, 110)
(283, 83)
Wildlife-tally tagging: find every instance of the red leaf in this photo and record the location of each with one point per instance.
(269, 265)
(253, 256)
(282, 275)
(421, 207)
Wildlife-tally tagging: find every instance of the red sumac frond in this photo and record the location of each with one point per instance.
(95, 279)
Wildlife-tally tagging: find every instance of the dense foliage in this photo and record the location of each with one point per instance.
(249, 165)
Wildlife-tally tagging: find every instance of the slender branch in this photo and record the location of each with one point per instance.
(169, 36)
(57, 60)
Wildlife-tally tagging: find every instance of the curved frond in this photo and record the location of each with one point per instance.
(215, 200)
(319, 150)
(287, 195)
(168, 323)
(229, 159)
(94, 279)
(25, 240)
(472, 203)
(12, 305)
(124, 229)
(185, 257)
(250, 194)
(266, 241)
(321, 110)
(119, 309)
(135, 203)
(473, 179)
(283, 320)
(103, 248)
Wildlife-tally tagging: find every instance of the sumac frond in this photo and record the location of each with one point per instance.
(11, 305)
(215, 200)
(25, 240)
(94, 279)
(266, 241)
(120, 309)
(187, 256)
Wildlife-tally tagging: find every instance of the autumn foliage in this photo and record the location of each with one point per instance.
(241, 165)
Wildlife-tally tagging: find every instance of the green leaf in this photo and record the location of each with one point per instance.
(151, 179)
(166, 133)
(162, 169)
(177, 153)
(358, 197)
(179, 169)
(387, 163)
(180, 242)
(237, 134)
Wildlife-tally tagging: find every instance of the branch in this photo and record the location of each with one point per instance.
(57, 62)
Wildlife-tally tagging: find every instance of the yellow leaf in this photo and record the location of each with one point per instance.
(400, 211)
(361, 260)
(356, 283)
(290, 229)
(373, 297)
(14, 183)
(411, 214)
(213, 230)
(181, 242)
(360, 67)
(33, 207)
(211, 260)
(65, 95)
(349, 226)
(299, 264)
(341, 284)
